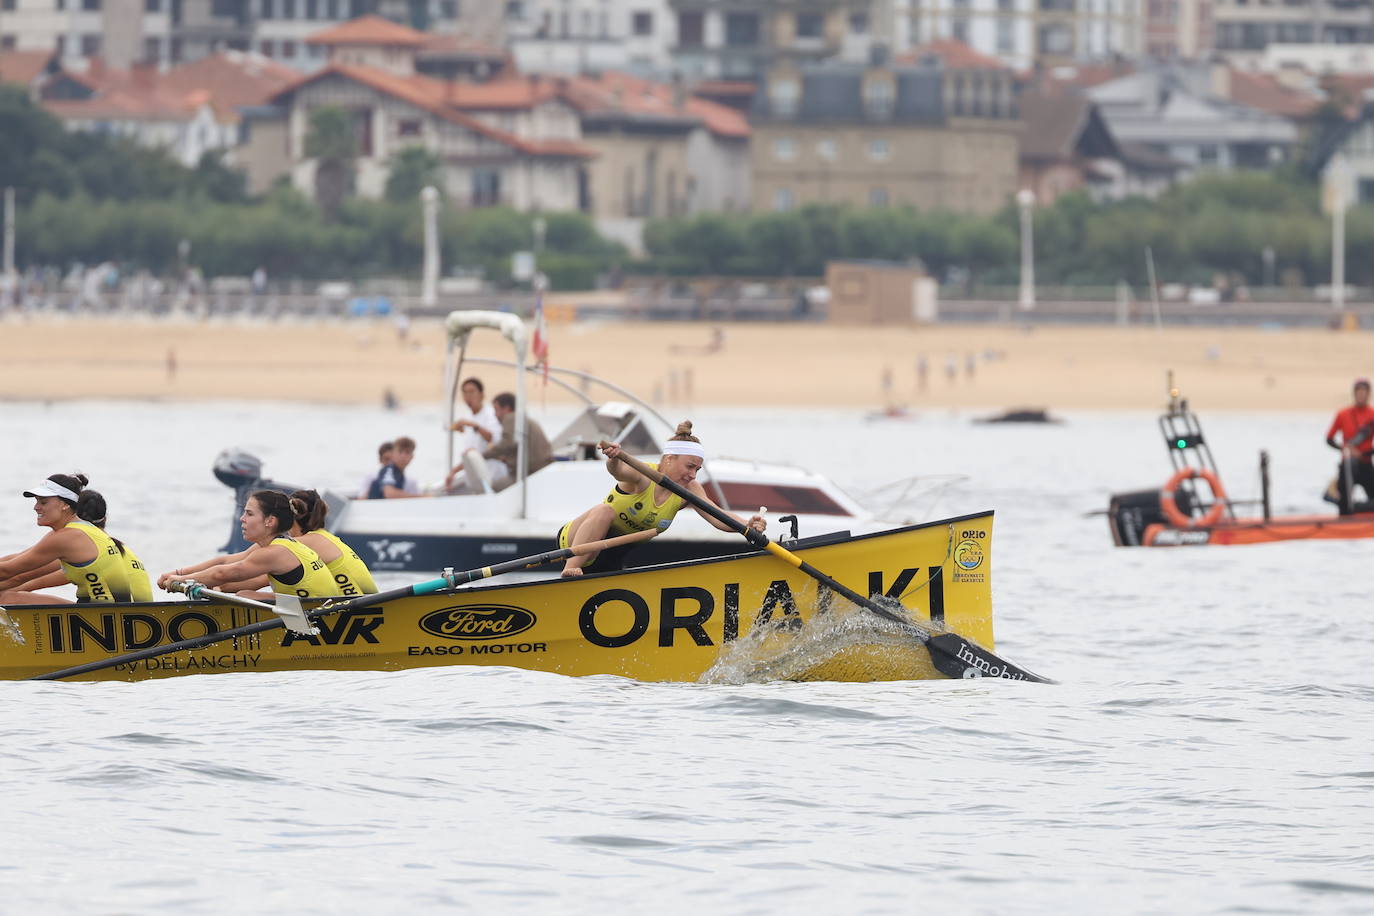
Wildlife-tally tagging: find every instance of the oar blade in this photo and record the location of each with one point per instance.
(955, 656)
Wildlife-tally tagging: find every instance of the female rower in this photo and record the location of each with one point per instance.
(636, 503)
(350, 573)
(289, 566)
(77, 549)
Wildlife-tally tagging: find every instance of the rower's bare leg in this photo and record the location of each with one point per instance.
(591, 525)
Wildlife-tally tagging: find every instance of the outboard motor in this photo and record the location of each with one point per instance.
(243, 472)
(1129, 514)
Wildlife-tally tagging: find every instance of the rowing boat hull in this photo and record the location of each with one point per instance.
(1263, 531)
(662, 623)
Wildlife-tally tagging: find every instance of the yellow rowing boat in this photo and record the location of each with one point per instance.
(734, 618)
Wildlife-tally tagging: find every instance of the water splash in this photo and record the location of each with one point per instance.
(838, 642)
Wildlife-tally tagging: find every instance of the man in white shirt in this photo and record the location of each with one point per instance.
(482, 428)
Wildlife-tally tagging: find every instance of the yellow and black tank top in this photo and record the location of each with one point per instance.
(139, 587)
(310, 580)
(105, 578)
(637, 512)
(350, 573)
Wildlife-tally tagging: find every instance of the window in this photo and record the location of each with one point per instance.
(1056, 38)
(312, 9)
(779, 497)
(691, 30)
(288, 49)
(783, 200)
(1366, 191)
(741, 30)
(878, 149)
(958, 28)
(61, 5)
(877, 197)
(7, 42)
(90, 45)
(267, 9)
(810, 25)
(486, 187)
(878, 98)
(409, 127)
(288, 9)
(331, 9)
(267, 47)
(1207, 154)
(448, 9)
(642, 23)
(784, 150)
(90, 4)
(827, 150)
(149, 6)
(1006, 39)
(174, 53)
(783, 94)
(858, 23)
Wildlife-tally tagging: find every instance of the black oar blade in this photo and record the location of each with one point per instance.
(957, 657)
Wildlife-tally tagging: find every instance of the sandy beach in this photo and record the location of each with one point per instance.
(800, 365)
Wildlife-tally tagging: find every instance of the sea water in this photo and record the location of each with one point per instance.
(1207, 748)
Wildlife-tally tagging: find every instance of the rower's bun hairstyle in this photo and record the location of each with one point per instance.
(684, 433)
(275, 505)
(308, 509)
(89, 505)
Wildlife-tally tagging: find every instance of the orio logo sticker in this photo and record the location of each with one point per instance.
(968, 553)
(477, 621)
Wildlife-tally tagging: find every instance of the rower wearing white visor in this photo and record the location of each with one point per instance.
(100, 566)
(636, 503)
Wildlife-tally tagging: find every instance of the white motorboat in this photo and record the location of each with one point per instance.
(475, 529)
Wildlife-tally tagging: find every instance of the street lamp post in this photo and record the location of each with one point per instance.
(1337, 189)
(1268, 256)
(1025, 200)
(429, 275)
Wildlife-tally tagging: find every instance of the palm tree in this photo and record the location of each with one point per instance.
(333, 145)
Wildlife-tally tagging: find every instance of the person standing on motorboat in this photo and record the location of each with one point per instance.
(498, 459)
(1356, 426)
(636, 503)
(390, 482)
(484, 426)
(289, 565)
(102, 568)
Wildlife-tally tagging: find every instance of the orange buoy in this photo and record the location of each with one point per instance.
(1170, 506)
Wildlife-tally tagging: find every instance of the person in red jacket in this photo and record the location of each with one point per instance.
(1356, 427)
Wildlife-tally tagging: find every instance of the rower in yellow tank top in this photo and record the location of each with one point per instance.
(105, 578)
(350, 573)
(640, 511)
(310, 580)
(139, 586)
(633, 505)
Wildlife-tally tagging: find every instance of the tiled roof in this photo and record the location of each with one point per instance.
(506, 93)
(1265, 92)
(954, 54)
(621, 94)
(232, 79)
(129, 105)
(431, 95)
(369, 30)
(23, 66)
(1058, 126)
(1080, 76)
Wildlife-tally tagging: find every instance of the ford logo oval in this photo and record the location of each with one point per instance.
(477, 621)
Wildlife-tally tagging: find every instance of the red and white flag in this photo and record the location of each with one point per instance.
(539, 344)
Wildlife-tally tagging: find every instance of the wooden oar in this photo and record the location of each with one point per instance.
(953, 655)
(448, 580)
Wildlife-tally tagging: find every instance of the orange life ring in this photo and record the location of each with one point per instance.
(1176, 516)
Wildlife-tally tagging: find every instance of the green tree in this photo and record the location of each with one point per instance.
(412, 169)
(331, 142)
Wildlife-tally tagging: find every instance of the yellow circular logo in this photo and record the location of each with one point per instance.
(968, 554)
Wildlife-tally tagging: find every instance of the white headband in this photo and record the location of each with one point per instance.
(680, 447)
(49, 488)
